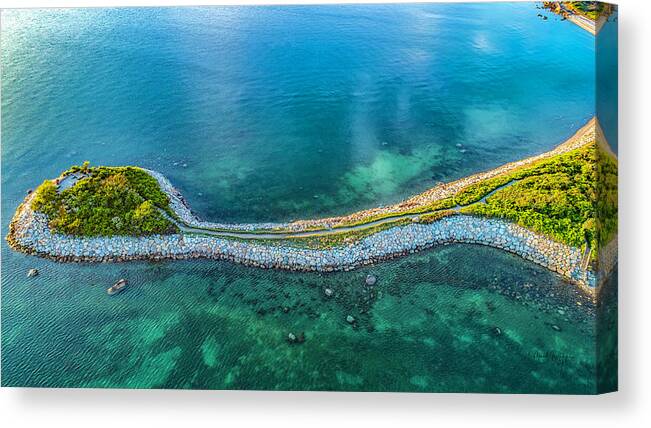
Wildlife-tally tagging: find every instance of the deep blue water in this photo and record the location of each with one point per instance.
(286, 112)
(275, 113)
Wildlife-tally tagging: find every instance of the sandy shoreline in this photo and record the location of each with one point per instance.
(585, 135)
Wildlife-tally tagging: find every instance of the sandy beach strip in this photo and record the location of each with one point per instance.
(584, 136)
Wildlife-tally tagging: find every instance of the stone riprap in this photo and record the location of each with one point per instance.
(182, 210)
(29, 232)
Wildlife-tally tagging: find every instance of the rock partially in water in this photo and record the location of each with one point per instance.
(350, 319)
(32, 273)
(497, 331)
(328, 292)
(371, 280)
(293, 338)
(556, 327)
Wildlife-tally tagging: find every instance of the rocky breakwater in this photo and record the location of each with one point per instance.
(29, 233)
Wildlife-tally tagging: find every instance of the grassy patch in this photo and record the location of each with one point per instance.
(343, 238)
(560, 197)
(442, 204)
(606, 204)
(474, 192)
(432, 217)
(106, 201)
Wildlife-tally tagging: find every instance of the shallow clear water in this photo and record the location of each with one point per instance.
(430, 325)
(276, 113)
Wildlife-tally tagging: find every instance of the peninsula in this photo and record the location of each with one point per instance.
(589, 15)
(557, 209)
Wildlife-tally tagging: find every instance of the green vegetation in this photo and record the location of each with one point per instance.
(606, 204)
(442, 204)
(477, 191)
(571, 198)
(105, 201)
(432, 217)
(344, 238)
(559, 197)
(589, 9)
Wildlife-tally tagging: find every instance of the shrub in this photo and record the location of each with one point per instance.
(107, 201)
(571, 197)
(45, 198)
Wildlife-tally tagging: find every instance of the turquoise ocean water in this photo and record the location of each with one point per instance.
(278, 113)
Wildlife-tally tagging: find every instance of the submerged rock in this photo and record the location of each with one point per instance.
(292, 338)
(556, 327)
(32, 273)
(497, 331)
